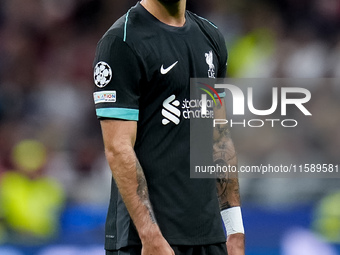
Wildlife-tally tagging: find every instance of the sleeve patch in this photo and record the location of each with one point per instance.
(104, 97)
(102, 74)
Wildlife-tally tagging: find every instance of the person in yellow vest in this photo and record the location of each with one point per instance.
(30, 202)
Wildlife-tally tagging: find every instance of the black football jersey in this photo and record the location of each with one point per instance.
(142, 72)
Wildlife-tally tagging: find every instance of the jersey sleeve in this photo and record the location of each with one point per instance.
(222, 70)
(117, 76)
(223, 61)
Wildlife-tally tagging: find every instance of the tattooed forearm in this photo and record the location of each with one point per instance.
(228, 192)
(223, 130)
(224, 155)
(142, 191)
(222, 190)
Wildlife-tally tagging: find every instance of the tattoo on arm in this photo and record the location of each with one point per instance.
(222, 185)
(142, 191)
(228, 192)
(224, 155)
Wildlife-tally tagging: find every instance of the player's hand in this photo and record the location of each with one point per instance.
(235, 244)
(156, 246)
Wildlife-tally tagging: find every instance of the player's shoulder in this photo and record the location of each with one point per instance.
(128, 28)
(210, 30)
(117, 29)
(206, 25)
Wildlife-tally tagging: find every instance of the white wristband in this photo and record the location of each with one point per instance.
(232, 219)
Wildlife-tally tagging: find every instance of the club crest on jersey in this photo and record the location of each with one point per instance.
(209, 58)
(102, 74)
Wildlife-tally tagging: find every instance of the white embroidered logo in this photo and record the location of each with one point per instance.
(209, 58)
(165, 71)
(102, 74)
(170, 112)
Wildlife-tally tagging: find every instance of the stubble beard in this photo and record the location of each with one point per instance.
(169, 1)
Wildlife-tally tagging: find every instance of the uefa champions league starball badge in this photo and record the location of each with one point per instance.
(102, 74)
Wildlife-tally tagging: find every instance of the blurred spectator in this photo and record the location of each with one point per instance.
(327, 218)
(30, 202)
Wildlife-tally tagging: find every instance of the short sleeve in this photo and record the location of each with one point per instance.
(223, 60)
(222, 70)
(117, 76)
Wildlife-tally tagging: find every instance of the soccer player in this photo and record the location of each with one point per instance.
(142, 72)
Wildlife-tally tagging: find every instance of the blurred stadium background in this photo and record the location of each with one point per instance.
(54, 180)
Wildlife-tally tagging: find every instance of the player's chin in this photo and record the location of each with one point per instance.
(169, 1)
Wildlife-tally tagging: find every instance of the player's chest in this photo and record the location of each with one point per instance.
(176, 60)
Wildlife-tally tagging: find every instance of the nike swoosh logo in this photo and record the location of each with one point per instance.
(165, 71)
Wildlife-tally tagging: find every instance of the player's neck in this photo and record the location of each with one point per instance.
(172, 14)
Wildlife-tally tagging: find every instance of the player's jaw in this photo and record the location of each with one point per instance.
(169, 1)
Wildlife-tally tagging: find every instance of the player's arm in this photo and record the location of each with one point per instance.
(228, 184)
(119, 138)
